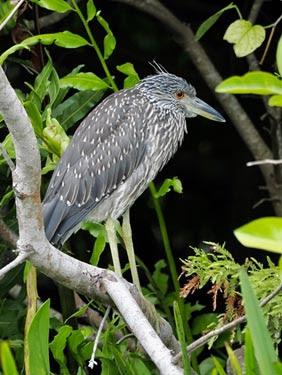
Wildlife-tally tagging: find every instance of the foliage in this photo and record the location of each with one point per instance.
(216, 268)
(55, 102)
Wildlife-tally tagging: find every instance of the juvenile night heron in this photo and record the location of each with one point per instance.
(116, 152)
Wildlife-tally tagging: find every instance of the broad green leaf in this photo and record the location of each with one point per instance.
(275, 101)
(202, 321)
(58, 345)
(93, 228)
(251, 367)
(80, 312)
(109, 40)
(76, 107)
(263, 347)
(123, 365)
(181, 338)
(264, 233)
(139, 366)
(279, 56)
(74, 341)
(91, 10)
(64, 39)
(168, 184)
(35, 116)
(245, 36)
(37, 341)
(207, 24)
(132, 76)
(59, 6)
(54, 87)
(260, 83)
(99, 247)
(7, 360)
(235, 365)
(41, 83)
(160, 278)
(83, 81)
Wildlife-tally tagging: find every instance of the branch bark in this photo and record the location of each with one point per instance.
(92, 281)
(186, 38)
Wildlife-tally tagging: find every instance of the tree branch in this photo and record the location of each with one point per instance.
(14, 263)
(186, 38)
(92, 281)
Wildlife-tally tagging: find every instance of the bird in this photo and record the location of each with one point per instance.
(117, 150)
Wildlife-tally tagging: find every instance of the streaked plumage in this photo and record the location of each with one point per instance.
(115, 152)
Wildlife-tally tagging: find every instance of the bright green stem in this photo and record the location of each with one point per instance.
(95, 46)
(172, 266)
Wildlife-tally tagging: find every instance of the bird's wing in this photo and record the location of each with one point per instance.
(106, 148)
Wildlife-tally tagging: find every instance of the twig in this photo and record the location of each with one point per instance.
(7, 158)
(7, 19)
(216, 332)
(265, 161)
(18, 260)
(255, 9)
(92, 361)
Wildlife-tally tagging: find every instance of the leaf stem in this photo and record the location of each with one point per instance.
(95, 46)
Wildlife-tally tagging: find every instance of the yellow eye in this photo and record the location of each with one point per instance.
(179, 95)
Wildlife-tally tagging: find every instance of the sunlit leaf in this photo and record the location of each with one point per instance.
(37, 341)
(7, 360)
(132, 76)
(264, 350)
(207, 24)
(64, 39)
(168, 184)
(245, 36)
(251, 366)
(83, 81)
(279, 56)
(264, 233)
(235, 365)
(35, 116)
(99, 247)
(59, 6)
(260, 83)
(91, 10)
(275, 101)
(109, 40)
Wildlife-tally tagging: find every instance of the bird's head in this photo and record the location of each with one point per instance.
(174, 93)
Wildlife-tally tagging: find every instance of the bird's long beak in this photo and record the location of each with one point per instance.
(199, 107)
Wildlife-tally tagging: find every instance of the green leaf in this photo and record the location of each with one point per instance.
(91, 10)
(41, 83)
(80, 312)
(76, 107)
(37, 341)
(264, 233)
(83, 81)
(166, 186)
(181, 337)
(245, 36)
(260, 83)
(59, 6)
(279, 56)
(235, 365)
(98, 249)
(58, 345)
(263, 347)
(54, 87)
(207, 24)
(74, 341)
(160, 278)
(201, 322)
(132, 76)
(218, 366)
(275, 101)
(109, 40)
(7, 360)
(64, 39)
(35, 116)
(6, 198)
(251, 367)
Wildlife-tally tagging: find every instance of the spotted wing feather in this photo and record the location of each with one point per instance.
(104, 152)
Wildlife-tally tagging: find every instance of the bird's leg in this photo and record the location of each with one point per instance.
(111, 232)
(127, 238)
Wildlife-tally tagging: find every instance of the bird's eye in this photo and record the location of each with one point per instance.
(179, 95)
